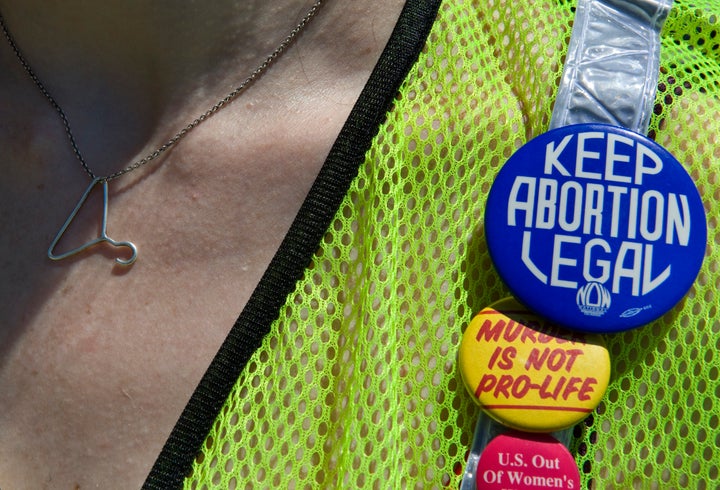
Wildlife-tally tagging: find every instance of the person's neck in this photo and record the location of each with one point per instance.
(142, 65)
(163, 42)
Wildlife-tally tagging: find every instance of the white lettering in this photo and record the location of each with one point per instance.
(572, 224)
(594, 200)
(633, 272)
(632, 214)
(525, 257)
(646, 210)
(516, 204)
(583, 155)
(681, 226)
(640, 168)
(628, 267)
(603, 265)
(539, 461)
(612, 158)
(559, 260)
(552, 154)
(617, 192)
(515, 477)
(594, 204)
(546, 204)
(490, 476)
(648, 282)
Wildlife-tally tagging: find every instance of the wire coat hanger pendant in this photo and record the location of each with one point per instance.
(103, 238)
(223, 102)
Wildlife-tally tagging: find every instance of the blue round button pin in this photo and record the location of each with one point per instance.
(596, 227)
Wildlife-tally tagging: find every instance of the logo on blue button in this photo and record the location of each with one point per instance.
(596, 227)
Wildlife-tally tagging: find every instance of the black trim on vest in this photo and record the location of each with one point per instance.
(297, 249)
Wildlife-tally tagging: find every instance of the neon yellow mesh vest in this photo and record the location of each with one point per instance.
(355, 383)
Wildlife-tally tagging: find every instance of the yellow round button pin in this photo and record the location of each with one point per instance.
(529, 374)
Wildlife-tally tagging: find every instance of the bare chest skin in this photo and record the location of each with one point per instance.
(97, 361)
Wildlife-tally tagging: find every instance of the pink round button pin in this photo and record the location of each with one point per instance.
(524, 461)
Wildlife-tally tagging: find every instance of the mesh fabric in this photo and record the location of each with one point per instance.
(356, 385)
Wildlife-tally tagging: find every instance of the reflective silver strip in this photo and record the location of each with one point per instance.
(612, 64)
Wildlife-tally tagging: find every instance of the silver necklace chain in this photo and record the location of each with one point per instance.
(103, 237)
(184, 131)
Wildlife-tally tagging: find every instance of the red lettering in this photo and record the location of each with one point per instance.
(552, 388)
(507, 356)
(586, 389)
(573, 354)
(494, 357)
(513, 330)
(521, 386)
(546, 332)
(503, 385)
(528, 334)
(486, 384)
(535, 359)
(556, 359)
(571, 387)
(490, 331)
(545, 391)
